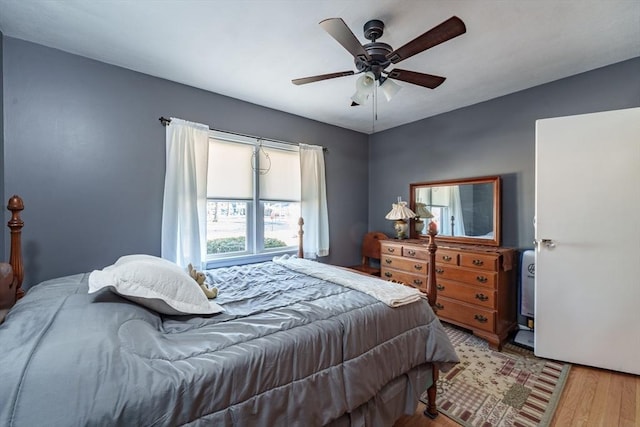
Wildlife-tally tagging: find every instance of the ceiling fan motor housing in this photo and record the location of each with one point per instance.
(377, 51)
(373, 29)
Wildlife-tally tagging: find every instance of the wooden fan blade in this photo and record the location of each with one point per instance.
(343, 35)
(320, 77)
(420, 79)
(449, 29)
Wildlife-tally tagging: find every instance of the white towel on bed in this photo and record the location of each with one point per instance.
(390, 293)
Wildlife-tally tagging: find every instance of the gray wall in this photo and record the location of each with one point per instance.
(85, 149)
(496, 137)
(83, 146)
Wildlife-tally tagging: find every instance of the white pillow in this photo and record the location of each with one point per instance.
(144, 257)
(154, 283)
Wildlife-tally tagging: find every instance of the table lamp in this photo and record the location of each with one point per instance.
(400, 213)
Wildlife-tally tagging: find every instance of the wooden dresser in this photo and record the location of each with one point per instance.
(476, 284)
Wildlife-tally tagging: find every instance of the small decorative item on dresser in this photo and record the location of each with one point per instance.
(400, 213)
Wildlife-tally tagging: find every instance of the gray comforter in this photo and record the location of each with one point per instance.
(288, 350)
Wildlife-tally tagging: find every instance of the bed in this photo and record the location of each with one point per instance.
(297, 343)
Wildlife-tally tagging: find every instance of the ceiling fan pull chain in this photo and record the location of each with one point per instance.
(374, 115)
(375, 99)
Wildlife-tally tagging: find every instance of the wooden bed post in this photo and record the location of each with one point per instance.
(15, 205)
(300, 233)
(432, 296)
(432, 290)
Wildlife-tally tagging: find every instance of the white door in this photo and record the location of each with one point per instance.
(587, 284)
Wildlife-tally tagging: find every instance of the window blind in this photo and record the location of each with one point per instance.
(229, 175)
(282, 182)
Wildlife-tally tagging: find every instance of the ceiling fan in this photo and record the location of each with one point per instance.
(373, 58)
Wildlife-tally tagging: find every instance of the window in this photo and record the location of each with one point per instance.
(256, 191)
(253, 198)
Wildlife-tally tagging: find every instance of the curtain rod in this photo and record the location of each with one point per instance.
(166, 122)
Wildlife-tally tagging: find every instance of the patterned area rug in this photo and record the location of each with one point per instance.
(489, 388)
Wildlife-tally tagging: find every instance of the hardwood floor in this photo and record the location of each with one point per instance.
(591, 397)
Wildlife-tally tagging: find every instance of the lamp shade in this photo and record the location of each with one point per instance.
(400, 211)
(365, 83)
(389, 88)
(422, 211)
(364, 87)
(359, 98)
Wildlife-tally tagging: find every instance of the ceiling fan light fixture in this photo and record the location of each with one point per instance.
(389, 88)
(366, 82)
(364, 87)
(359, 98)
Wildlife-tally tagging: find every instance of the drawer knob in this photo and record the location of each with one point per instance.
(388, 261)
(478, 262)
(440, 287)
(446, 257)
(481, 279)
(417, 282)
(480, 318)
(411, 252)
(388, 274)
(391, 250)
(482, 297)
(439, 306)
(417, 267)
(439, 270)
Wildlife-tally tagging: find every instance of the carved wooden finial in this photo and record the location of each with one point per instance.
(16, 205)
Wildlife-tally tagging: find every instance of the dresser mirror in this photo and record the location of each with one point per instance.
(465, 210)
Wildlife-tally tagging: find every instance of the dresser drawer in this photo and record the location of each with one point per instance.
(406, 264)
(472, 294)
(468, 276)
(417, 252)
(473, 316)
(415, 280)
(480, 261)
(387, 248)
(444, 256)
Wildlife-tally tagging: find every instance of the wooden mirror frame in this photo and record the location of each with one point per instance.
(496, 183)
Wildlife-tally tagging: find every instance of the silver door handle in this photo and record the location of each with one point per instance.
(547, 243)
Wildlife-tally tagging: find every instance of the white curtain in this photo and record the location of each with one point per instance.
(314, 202)
(456, 211)
(185, 193)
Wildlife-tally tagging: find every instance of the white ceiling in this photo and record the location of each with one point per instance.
(251, 49)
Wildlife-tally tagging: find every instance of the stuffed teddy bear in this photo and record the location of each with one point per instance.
(200, 277)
